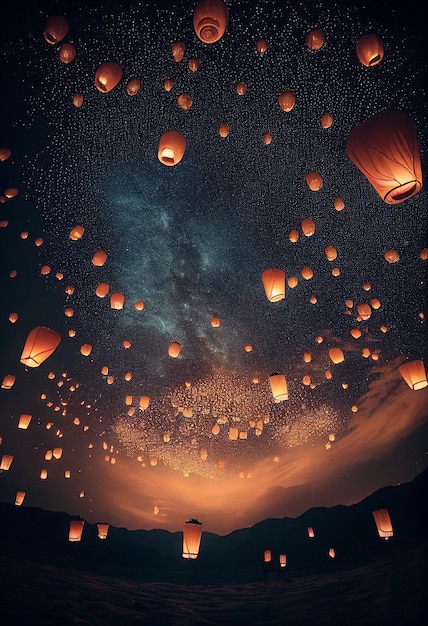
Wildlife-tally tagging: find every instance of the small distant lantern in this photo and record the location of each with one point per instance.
(314, 180)
(76, 529)
(261, 46)
(282, 560)
(6, 462)
(223, 131)
(40, 344)
(336, 355)
(215, 322)
(117, 300)
(107, 76)
(178, 49)
(267, 556)
(278, 385)
(102, 290)
(286, 101)
(315, 39)
(19, 498)
(414, 374)
(308, 226)
(103, 530)
(383, 523)
(174, 349)
(192, 535)
(332, 553)
(311, 533)
(326, 120)
(99, 258)
(274, 284)
(24, 421)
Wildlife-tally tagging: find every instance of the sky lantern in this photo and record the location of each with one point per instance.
(308, 226)
(69, 312)
(414, 374)
(330, 253)
(315, 39)
(332, 553)
(241, 89)
(86, 349)
(178, 49)
(314, 180)
(391, 256)
(168, 84)
(184, 101)
(261, 46)
(174, 349)
(369, 50)
(210, 19)
(43, 474)
(102, 290)
(326, 120)
(215, 322)
(383, 523)
(364, 310)
(56, 29)
(278, 385)
(223, 130)
(11, 192)
(77, 232)
(117, 300)
(355, 333)
(107, 76)
(40, 344)
(4, 154)
(133, 86)
(67, 53)
(6, 462)
(311, 533)
(19, 498)
(24, 421)
(75, 530)
(292, 282)
(144, 402)
(307, 273)
(282, 560)
(99, 258)
(215, 429)
(287, 100)
(78, 99)
(274, 284)
(193, 65)
(267, 556)
(338, 204)
(267, 138)
(423, 254)
(385, 149)
(103, 530)
(293, 235)
(13, 317)
(172, 146)
(336, 355)
(307, 357)
(192, 535)
(233, 433)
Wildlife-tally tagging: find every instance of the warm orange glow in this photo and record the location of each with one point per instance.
(315, 39)
(178, 49)
(103, 530)
(383, 523)
(76, 529)
(414, 374)
(77, 232)
(210, 19)
(192, 535)
(40, 344)
(314, 180)
(107, 76)
(172, 146)
(133, 86)
(274, 284)
(67, 53)
(56, 29)
(174, 349)
(287, 100)
(24, 421)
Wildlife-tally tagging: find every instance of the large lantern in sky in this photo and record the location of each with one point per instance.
(192, 538)
(103, 530)
(40, 344)
(274, 283)
(210, 18)
(383, 523)
(414, 374)
(172, 146)
(385, 149)
(56, 29)
(107, 76)
(278, 385)
(76, 529)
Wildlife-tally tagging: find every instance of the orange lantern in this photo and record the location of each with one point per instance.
(67, 53)
(391, 256)
(86, 349)
(315, 39)
(326, 120)
(369, 50)
(267, 556)
(308, 227)
(383, 523)
(278, 385)
(19, 498)
(184, 101)
(223, 130)
(356, 333)
(174, 349)
(210, 19)
(133, 87)
(287, 100)
(215, 322)
(293, 235)
(102, 290)
(4, 154)
(336, 355)
(274, 284)
(103, 530)
(267, 138)
(40, 344)
(338, 204)
(307, 273)
(261, 46)
(385, 149)
(172, 146)
(292, 282)
(193, 65)
(178, 49)
(78, 99)
(76, 232)
(56, 29)
(330, 253)
(282, 560)
(307, 357)
(332, 553)
(168, 84)
(241, 89)
(192, 535)
(364, 311)
(76, 529)
(107, 76)
(314, 181)
(24, 421)
(117, 300)
(6, 462)
(99, 258)
(139, 305)
(414, 374)
(13, 317)
(311, 533)
(144, 402)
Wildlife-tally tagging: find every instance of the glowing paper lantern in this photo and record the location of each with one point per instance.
(414, 374)
(13, 317)
(19, 498)
(215, 322)
(338, 204)
(76, 529)
(102, 290)
(326, 120)
(311, 533)
(267, 138)
(369, 50)
(308, 226)
(6, 462)
(139, 305)
(24, 421)
(278, 385)
(56, 29)
(4, 154)
(107, 76)
(40, 344)
(178, 49)
(307, 273)
(117, 300)
(78, 99)
(77, 232)
(67, 53)
(261, 46)
(99, 258)
(330, 253)
(184, 101)
(314, 180)
(267, 556)
(391, 256)
(193, 65)
(383, 523)
(241, 89)
(315, 39)
(172, 146)
(133, 86)
(385, 149)
(274, 284)
(174, 349)
(210, 19)
(282, 560)
(223, 130)
(103, 530)
(336, 355)
(332, 553)
(287, 100)
(192, 535)
(364, 310)
(144, 402)
(86, 349)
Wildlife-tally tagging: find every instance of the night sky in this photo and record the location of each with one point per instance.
(191, 241)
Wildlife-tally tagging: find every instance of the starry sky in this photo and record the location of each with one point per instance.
(191, 242)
